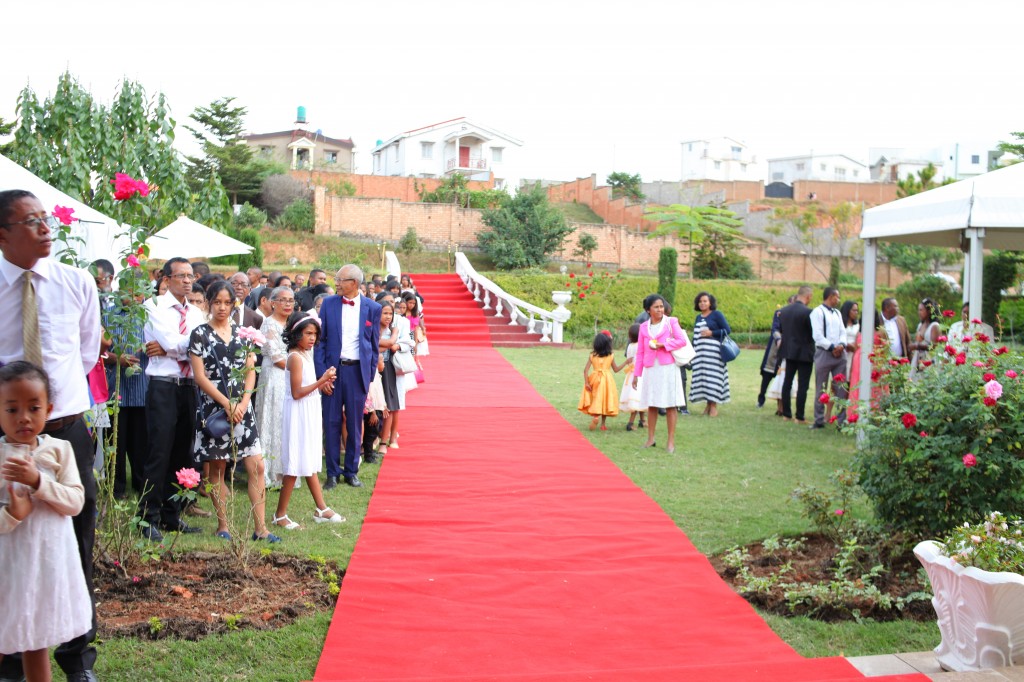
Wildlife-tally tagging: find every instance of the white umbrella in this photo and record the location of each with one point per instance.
(188, 239)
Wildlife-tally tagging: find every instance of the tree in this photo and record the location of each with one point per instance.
(225, 153)
(1016, 148)
(6, 129)
(524, 231)
(586, 245)
(625, 185)
(713, 228)
(78, 145)
(668, 265)
(808, 224)
(924, 181)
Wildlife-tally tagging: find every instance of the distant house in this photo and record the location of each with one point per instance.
(719, 158)
(821, 167)
(887, 169)
(301, 148)
(456, 146)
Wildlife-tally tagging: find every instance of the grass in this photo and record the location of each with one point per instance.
(728, 484)
(579, 213)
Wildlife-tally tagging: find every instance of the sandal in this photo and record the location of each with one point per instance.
(593, 423)
(382, 450)
(629, 427)
(291, 525)
(269, 537)
(603, 427)
(223, 535)
(335, 517)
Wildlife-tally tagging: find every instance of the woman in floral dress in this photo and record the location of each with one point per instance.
(219, 367)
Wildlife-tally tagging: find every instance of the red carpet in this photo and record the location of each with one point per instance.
(451, 314)
(500, 545)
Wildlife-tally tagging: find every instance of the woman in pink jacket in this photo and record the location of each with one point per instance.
(662, 386)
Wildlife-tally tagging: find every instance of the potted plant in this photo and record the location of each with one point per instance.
(978, 593)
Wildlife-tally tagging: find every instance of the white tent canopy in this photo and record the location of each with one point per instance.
(102, 236)
(984, 211)
(189, 239)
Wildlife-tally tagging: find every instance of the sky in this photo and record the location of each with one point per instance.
(589, 87)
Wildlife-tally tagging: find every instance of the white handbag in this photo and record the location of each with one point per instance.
(685, 355)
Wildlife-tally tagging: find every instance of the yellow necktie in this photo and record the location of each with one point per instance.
(30, 322)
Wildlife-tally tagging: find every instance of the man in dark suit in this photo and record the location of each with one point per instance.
(896, 329)
(244, 316)
(797, 348)
(304, 298)
(350, 334)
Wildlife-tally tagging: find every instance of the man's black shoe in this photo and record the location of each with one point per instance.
(152, 534)
(332, 482)
(181, 527)
(82, 676)
(371, 458)
(817, 426)
(354, 481)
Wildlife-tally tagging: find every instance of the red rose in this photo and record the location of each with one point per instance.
(590, 274)
(588, 265)
(875, 375)
(833, 418)
(824, 399)
(970, 460)
(926, 363)
(923, 434)
(1001, 350)
(975, 320)
(839, 378)
(967, 339)
(582, 296)
(948, 313)
(572, 275)
(904, 361)
(579, 284)
(989, 402)
(961, 359)
(909, 420)
(894, 362)
(950, 350)
(982, 337)
(852, 419)
(987, 377)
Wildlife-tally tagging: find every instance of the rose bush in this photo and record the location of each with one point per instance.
(948, 445)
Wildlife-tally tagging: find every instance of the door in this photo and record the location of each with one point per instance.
(463, 157)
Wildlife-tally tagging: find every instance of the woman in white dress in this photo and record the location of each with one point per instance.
(271, 390)
(927, 335)
(662, 385)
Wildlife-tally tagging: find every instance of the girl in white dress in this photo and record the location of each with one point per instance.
(43, 597)
(629, 398)
(302, 436)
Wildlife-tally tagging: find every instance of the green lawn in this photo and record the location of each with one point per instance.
(727, 484)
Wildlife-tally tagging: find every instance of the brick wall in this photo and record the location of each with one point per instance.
(871, 193)
(599, 199)
(619, 246)
(382, 186)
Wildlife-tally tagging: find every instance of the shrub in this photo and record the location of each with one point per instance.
(998, 273)
(995, 544)
(279, 191)
(410, 243)
(909, 294)
(948, 445)
(250, 216)
(585, 246)
(524, 231)
(254, 259)
(298, 215)
(668, 265)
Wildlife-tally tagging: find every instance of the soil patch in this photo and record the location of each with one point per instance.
(813, 561)
(197, 594)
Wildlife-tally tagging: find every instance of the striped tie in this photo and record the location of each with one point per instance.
(186, 368)
(30, 322)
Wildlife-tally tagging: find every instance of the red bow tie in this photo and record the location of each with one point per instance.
(348, 301)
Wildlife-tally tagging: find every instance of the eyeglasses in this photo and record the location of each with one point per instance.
(181, 277)
(284, 301)
(50, 221)
(346, 279)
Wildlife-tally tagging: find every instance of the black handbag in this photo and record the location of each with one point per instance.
(216, 425)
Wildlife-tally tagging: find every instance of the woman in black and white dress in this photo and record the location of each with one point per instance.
(710, 381)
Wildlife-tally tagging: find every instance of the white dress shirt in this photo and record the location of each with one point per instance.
(350, 330)
(162, 324)
(892, 330)
(69, 328)
(827, 327)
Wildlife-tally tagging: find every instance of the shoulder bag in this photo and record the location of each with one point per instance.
(730, 349)
(685, 355)
(216, 424)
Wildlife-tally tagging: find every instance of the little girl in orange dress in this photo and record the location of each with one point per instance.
(600, 397)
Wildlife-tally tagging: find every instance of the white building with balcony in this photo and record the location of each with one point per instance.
(456, 146)
(718, 158)
(821, 167)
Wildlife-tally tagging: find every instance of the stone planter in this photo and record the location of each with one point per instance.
(981, 614)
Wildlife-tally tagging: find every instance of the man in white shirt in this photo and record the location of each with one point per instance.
(896, 329)
(170, 399)
(829, 335)
(68, 338)
(967, 327)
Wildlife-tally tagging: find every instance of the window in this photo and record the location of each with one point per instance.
(975, 159)
(426, 150)
(856, 173)
(736, 152)
(266, 152)
(777, 177)
(689, 147)
(396, 149)
(824, 168)
(499, 183)
(330, 157)
(800, 166)
(496, 154)
(840, 173)
(718, 165)
(743, 167)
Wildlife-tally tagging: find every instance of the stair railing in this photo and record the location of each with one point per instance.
(548, 323)
(391, 265)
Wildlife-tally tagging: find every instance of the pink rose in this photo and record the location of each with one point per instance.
(125, 187)
(975, 320)
(942, 339)
(978, 363)
(970, 460)
(923, 434)
(132, 260)
(64, 214)
(994, 389)
(839, 512)
(188, 478)
(967, 339)
(253, 335)
(1010, 374)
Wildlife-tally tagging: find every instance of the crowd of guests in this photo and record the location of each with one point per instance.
(265, 373)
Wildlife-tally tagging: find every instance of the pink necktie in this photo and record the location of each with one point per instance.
(186, 368)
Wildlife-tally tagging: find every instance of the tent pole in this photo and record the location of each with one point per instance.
(965, 285)
(867, 327)
(977, 239)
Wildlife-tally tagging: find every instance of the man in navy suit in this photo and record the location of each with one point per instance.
(350, 334)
